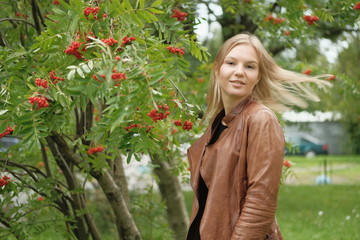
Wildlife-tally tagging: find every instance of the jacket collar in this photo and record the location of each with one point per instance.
(227, 119)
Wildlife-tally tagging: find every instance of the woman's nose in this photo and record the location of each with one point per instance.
(239, 71)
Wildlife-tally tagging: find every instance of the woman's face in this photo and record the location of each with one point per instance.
(238, 74)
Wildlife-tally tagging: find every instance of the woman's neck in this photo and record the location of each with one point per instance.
(230, 104)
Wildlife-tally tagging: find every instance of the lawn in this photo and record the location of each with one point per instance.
(319, 212)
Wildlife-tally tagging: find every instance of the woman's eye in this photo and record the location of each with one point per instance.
(250, 67)
(230, 63)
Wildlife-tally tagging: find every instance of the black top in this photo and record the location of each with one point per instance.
(194, 230)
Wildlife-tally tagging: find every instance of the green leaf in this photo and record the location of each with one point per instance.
(142, 4)
(154, 10)
(127, 5)
(142, 15)
(128, 159)
(137, 19)
(156, 3)
(3, 126)
(148, 16)
(58, 11)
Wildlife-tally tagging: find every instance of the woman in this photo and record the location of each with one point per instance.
(236, 165)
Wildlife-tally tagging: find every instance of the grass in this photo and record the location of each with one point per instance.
(319, 212)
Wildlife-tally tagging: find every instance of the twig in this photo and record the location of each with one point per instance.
(17, 20)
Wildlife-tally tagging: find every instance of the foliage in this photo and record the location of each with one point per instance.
(84, 84)
(81, 82)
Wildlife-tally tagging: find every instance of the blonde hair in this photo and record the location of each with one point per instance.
(277, 88)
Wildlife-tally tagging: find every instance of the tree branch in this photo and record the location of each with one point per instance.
(17, 20)
(45, 159)
(35, 16)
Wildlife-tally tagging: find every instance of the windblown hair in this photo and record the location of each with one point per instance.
(277, 88)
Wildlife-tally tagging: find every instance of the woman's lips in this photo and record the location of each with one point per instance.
(237, 82)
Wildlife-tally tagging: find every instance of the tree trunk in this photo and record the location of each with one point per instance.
(125, 223)
(171, 192)
(127, 228)
(120, 178)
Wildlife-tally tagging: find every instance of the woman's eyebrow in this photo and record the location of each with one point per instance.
(234, 58)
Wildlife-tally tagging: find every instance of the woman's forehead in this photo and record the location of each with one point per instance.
(243, 51)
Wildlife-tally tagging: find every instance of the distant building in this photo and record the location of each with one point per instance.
(322, 125)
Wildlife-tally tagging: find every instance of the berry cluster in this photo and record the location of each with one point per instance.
(96, 78)
(176, 50)
(127, 40)
(286, 163)
(109, 41)
(91, 10)
(22, 15)
(307, 71)
(287, 33)
(4, 181)
(311, 19)
(40, 198)
(40, 102)
(180, 16)
(357, 6)
(7, 131)
(178, 123)
(95, 150)
(187, 125)
(117, 77)
(73, 49)
(148, 128)
(274, 20)
(53, 76)
(163, 112)
(41, 83)
(332, 77)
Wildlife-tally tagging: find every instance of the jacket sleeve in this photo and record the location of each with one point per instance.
(265, 152)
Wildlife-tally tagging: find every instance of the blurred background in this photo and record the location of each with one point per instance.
(320, 191)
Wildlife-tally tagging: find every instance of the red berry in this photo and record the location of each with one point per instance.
(180, 16)
(95, 150)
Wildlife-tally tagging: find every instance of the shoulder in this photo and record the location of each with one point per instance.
(259, 113)
(200, 142)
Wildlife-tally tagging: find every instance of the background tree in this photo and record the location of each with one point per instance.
(85, 84)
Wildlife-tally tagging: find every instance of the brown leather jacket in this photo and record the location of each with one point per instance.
(242, 171)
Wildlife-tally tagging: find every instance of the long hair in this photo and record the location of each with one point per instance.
(277, 88)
